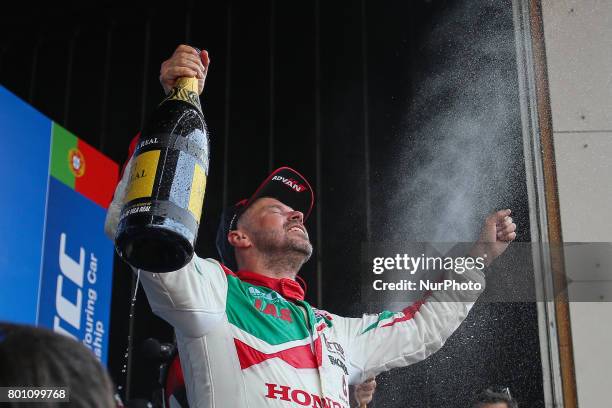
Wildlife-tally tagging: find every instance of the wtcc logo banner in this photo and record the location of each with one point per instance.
(75, 290)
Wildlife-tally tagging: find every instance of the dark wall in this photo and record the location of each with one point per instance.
(403, 115)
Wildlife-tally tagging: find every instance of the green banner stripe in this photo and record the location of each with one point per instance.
(62, 142)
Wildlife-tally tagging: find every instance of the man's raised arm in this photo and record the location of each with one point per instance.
(387, 340)
(191, 299)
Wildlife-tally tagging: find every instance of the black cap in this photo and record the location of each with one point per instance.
(286, 185)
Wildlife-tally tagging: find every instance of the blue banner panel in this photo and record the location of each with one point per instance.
(77, 269)
(24, 164)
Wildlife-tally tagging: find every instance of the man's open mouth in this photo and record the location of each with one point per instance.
(297, 228)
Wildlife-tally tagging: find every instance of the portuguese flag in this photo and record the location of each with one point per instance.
(81, 167)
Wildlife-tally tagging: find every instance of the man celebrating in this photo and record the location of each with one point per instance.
(245, 334)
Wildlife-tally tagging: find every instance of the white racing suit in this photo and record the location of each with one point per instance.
(244, 345)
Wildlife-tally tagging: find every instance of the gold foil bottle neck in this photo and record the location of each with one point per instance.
(190, 84)
(185, 89)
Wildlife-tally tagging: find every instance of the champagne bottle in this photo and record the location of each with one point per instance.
(161, 213)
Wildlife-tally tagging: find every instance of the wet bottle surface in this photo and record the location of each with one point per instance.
(161, 213)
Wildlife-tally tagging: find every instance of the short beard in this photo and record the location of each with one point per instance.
(291, 254)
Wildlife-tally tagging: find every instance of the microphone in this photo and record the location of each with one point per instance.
(154, 350)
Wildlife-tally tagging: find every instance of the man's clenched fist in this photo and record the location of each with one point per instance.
(185, 62)
(498, 231)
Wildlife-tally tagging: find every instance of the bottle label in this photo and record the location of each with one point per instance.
(186, 89)
(142, 175)
(196, 196)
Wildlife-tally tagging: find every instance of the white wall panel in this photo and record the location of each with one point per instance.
(578, 37)
(589, 269)
(592, 337)
(584, 172)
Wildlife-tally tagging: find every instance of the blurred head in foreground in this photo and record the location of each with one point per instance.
(35, 357)
(495, 397)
